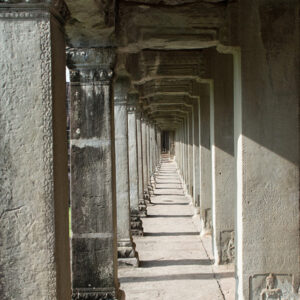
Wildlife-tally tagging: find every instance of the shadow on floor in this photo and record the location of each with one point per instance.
(169, 216)
(175, 203)
(191, 276)
(157, 194)
(175, 262)
(170, 233)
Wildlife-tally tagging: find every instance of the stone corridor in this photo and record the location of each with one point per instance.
(175, 261)
(92, 93)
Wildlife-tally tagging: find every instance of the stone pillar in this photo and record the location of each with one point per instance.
(34, 247)
(186, 154)
(149, 158)
(158, 139)
(267, 150)
(152, 156)
(222, 151)
(144, 156)
(126, 250)
(196, 157)
(205, 160)
(136, 222)
(142, 205)
(190, 153)
(94, 256)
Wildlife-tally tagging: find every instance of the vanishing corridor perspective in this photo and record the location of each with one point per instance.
(149, 149)
(174, 260)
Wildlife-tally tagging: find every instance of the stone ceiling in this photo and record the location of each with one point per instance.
(160, 44)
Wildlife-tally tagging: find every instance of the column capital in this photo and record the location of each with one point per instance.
(133, 101)
(27, 9)
(89, 65)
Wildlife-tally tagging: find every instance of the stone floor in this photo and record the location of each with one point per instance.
(175, 262)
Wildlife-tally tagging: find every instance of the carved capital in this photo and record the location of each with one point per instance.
(56, 7)
(88, 65)
(133, 100)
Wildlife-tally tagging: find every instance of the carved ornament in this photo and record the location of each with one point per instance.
(92, 294)
(90, 64)
(270, 292)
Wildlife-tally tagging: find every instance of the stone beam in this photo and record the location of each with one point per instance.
(149, 64)
(169, 99)
(175, 85)
(188, 26)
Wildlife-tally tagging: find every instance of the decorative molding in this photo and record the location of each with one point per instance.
(93, 294)
(88, 76)
(119, 100)
(26, 9)
(131, 109)
(47, 129)
(92, 57)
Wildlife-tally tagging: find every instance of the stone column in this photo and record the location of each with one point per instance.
(186, 154)
(196, 156)
(267, 150)
(142, 205)
(34, 247)
(205, 159)
(144, 156)
(154, 148)
(136, 222)
(126, 250)
(190, 151)
(149, 158)
(222, 151)
(94, 256)
(152, 156)
(180, 147)
(158, 139)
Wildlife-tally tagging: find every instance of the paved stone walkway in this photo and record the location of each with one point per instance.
(175, 263)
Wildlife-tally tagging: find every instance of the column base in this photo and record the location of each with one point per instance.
(147, 197)
(136, 224)
(142, 208)
(97, 294)
(127, 256)
(150, 189)
(153, 184)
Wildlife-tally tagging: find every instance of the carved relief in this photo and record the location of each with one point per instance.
(227, 246)
(207, 219)
(270, 292)
(92, 294)
(272, 286)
